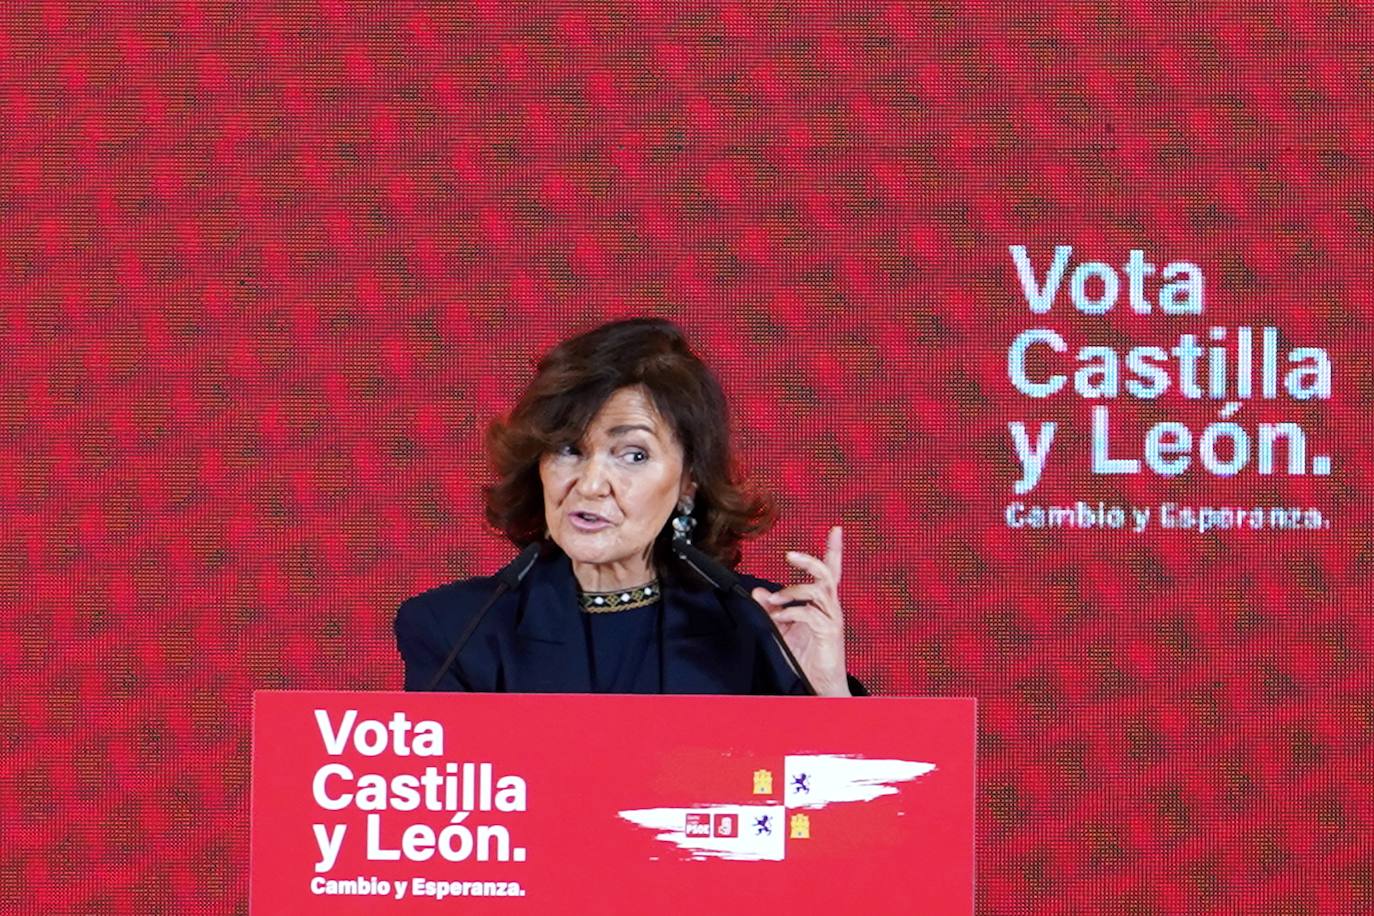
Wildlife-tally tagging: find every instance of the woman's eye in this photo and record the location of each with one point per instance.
(567, 449)
(637, 456)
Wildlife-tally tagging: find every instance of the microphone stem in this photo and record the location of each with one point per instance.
(808, 687)
(723, 578)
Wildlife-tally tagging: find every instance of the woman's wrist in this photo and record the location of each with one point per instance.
(832, 687)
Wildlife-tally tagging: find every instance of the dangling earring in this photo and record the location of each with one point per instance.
(683, 523)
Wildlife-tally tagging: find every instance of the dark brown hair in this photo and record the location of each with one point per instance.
(572, 382)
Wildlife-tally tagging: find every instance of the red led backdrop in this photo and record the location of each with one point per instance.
(269, 268)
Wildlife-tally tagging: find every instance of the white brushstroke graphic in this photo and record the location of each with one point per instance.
(759, 830)
(817, 780)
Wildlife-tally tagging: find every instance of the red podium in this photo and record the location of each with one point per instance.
(392, 802)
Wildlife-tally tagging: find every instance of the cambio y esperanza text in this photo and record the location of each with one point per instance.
(445, 786)
(1222, 369)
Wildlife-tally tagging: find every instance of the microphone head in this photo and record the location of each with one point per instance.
(517, 569)
(710, 569)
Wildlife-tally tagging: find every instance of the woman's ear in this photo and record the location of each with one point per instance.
(688, 492)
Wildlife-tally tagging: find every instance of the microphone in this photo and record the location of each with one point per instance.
(507, 578)
(726, 579)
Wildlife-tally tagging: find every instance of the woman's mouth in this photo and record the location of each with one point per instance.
(588, 521)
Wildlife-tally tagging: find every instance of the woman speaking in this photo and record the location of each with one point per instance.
(617, 452)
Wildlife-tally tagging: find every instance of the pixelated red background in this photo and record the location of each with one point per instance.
(268, 269)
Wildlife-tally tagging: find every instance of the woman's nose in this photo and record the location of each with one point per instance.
(594, 479)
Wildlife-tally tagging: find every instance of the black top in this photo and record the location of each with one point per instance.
(623, 649)
(534, 641)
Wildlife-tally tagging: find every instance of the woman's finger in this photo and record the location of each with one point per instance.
(811, 566)
(807, 614)
(834, 552)
(810, 592)
(761, 596)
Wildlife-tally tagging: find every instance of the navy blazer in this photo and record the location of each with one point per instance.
(532, 640)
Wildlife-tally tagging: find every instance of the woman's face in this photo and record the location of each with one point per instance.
(607, 497)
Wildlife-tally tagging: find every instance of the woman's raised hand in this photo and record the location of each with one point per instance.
(810, 619)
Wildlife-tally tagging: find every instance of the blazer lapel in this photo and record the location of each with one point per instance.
(702, 642)
(549, 651)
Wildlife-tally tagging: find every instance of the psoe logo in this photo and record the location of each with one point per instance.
(698, 824)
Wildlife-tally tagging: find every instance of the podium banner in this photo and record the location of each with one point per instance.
(393, 802)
